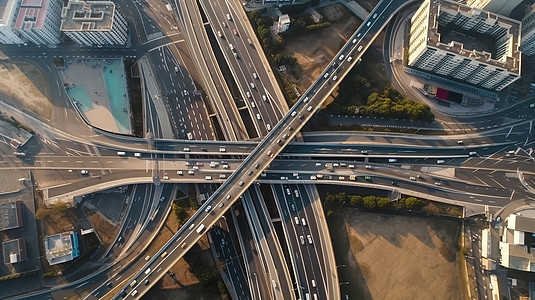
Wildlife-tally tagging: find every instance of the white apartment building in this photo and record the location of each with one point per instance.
(8, 14)
(38, 21)
(94, 23)
(500, 7)
(527, 44)
(465, 45)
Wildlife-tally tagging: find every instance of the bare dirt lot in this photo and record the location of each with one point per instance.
(24, 84)
(396, 257)
(313, 56)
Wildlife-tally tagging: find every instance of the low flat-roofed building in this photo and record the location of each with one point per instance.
(465, 45)
(516, 257)
(93, 23)
(38, 21)
(11, 215)
(284, 23)
(520, 223)
(14, 251)
(61, 247)
(517, 243)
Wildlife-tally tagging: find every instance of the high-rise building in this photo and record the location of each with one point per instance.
(465, 45)
(527, 45)
(94, 23)
(501, 7)
(8, 14)
(38, 21)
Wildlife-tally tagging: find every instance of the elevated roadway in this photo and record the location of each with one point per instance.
(206, 64)
(273, 143)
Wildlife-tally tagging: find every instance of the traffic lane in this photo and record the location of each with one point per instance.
(309, 262)
(315, 271)
(190, 110)
(313, 225)
(227, 253)
(272, 241)
(287, 213)
(269, 113)
(251, 255)
(468, 193)
(241, 76)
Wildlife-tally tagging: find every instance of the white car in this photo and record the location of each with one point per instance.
(228, 17)
(254, 75)
(293, 113)
(248, 94)
(179, 173)
(303, 222)
(341, 57)
(264, 98)
(296, 219)
(253, 105)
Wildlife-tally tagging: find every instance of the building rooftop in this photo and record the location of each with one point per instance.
(10, 215)
(87, 16)
(14, 251)
(469, 43)
(6, 9)
(516, 257)
(61, 247)
(521, 223)
(31, 14)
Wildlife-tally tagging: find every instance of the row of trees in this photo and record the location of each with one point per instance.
(369, 202)
(372, 202)
(391, 104)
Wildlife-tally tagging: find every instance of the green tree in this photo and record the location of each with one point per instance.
(341, 197)
(42, 213)
(221, 287)
(369, 202)
(411, 203)
(329, 213)
(330, 197)
(356, 200)
(382, 202)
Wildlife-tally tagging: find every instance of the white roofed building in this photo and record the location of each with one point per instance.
(93, 23)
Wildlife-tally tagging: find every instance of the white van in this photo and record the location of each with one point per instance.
(313, 283)
(137, 154)
(200, 228)
(121, 153)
